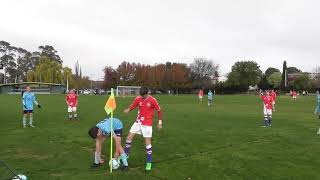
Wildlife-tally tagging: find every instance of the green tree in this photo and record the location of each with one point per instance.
(301, 82)
(7, 58)
(275, 79)
(292, 70)
(284, 76)
(244, 74)
(47, 70)
(270, 71)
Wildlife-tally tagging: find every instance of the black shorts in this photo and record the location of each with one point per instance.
(27, 111)
(117, 132)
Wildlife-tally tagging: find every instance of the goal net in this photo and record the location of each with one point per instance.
(128, 91)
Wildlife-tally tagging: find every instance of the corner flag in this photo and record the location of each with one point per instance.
(109, 108)
(110, 104)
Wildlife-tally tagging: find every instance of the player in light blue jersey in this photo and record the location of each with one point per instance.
(28, 99)
(100, 132)
(210, 98)
(317, 111)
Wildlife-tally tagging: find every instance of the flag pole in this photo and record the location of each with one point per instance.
(111, 134)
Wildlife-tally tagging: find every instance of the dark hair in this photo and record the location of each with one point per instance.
(143, 91)
(93, 132)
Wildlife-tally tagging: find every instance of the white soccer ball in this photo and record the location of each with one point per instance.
(114, 163)
(20, 177)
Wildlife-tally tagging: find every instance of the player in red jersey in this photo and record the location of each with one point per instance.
(294, 95)
(267, 108)
(143, 124)
(200, 94)
(273, 94)
(72, 102)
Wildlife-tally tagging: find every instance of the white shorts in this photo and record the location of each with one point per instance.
(200, 97)
(294, 97)
(267, 112)
(72, 109)
(138, 128)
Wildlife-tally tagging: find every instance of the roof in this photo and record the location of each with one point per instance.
(22, 83)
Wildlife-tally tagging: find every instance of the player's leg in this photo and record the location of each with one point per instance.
(120, 152)
(135, 129)
(74, 111)
(129, 143)
(24, 119)
(31, 119)
(265, 115)
(70, 112)
(269, 117)
(147, 134)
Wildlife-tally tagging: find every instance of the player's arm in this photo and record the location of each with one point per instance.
(158, 109)
(132, 106)
(67, 100)
(23, 101)
(35, 101)
(76, 100)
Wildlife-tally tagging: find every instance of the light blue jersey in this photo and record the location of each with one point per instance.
(104, 125)
(210, 95)
(28, 99)
(318, 99)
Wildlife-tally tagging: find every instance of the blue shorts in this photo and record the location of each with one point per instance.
(27, 111)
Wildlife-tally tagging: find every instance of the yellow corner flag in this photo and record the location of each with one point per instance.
(109, 108)
(111, 103)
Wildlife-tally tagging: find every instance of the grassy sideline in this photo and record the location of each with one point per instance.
(197, 142)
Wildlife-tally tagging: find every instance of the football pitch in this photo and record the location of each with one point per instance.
(197, 142)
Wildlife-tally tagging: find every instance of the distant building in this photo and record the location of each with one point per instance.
(36, 87)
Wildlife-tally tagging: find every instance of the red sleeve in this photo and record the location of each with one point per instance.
(134, 104)
(67, 98)
(157, 107)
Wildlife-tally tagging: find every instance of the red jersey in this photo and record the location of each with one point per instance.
(267, 101)
(200, 92)
(294, 93)
(273, 95)
(146, 109)
(72, 100)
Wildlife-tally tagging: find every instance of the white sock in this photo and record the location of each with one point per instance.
(31, 120)
(97, 158)
(24, 121)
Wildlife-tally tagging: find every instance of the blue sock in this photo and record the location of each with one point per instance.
(149, 153)
(269, 121)
(266, 122)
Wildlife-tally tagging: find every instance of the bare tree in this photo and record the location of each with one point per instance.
(203, 71)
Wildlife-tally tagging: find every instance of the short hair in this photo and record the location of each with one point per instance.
(144, 91)
(93, 132)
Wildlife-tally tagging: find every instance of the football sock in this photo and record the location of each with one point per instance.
(96, 158)
(269, 121)
(75, 115)
(24, 121)
(123, 157)
(70, 116)
(31, 120)
(128, 146)
(149, 153)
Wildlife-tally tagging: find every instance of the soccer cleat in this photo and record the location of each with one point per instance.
(124, 168)
(94, 165)
(24, 126)
(148, 166)
(30, 125)
(264, 126)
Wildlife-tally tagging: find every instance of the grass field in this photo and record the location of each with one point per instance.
(196, 142)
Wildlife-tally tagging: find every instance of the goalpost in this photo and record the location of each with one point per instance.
(123, 91)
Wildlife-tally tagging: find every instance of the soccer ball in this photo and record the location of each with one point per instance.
(20, 177)
(114, 163)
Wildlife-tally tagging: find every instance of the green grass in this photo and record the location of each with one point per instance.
(197, 142)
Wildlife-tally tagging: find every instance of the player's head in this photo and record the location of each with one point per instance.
(28, 89)
(267, 93)
(71, 91)
(95, 132)
(144, 91)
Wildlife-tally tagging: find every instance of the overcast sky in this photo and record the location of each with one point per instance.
(105, 32)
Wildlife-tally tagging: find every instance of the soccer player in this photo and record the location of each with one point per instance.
(200, 94)
(267, 108)
(28, 99)
(273, 94)
(317, 111)
(103, 130)
(210, 98)
(294, 95)
(72, 102)
(143, 124)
